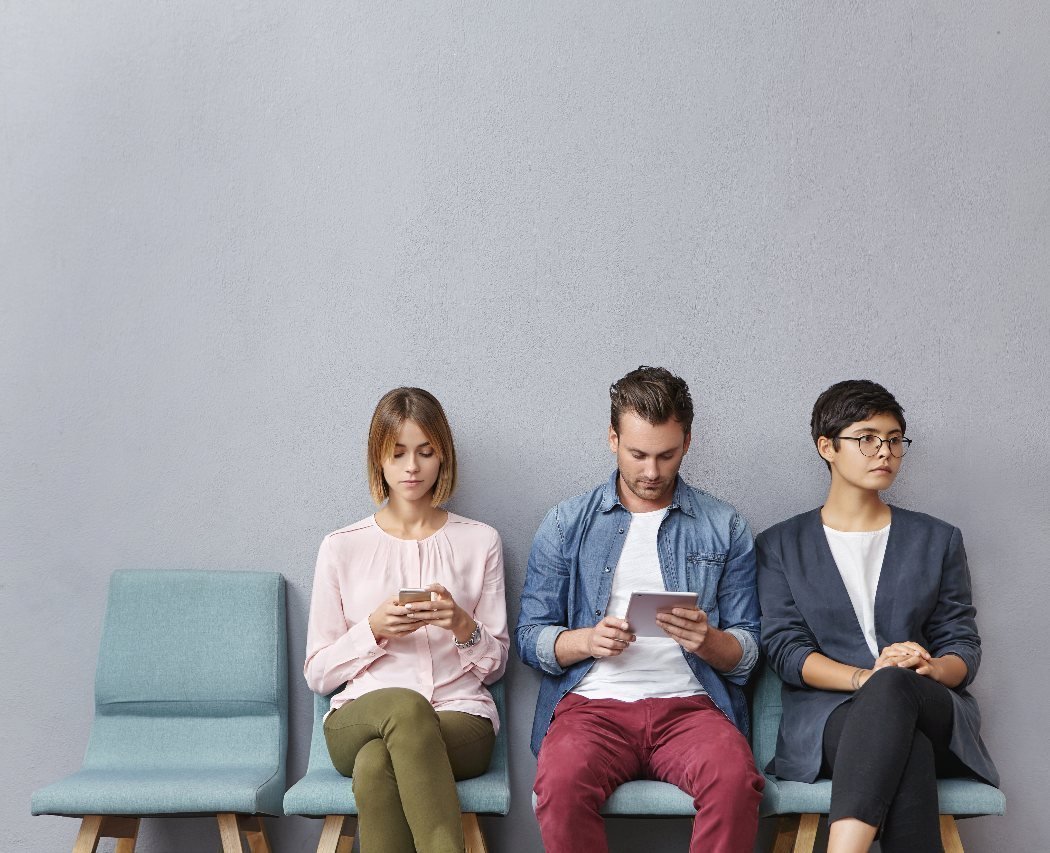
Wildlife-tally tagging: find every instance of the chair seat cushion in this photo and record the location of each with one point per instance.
(959, 797)
(646, 797)
(324, 791)
(783, 797)
(245, 790)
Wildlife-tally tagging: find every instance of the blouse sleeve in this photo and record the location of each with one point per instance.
(336, 649)
(488, 657)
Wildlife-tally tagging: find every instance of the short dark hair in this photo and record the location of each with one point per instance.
(845, 403)
(653, 393)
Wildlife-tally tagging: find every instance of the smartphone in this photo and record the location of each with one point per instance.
(409, 594)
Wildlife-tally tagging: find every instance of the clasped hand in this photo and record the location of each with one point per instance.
(392, 620)
(908, 655)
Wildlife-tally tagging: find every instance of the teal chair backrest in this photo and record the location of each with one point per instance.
(766, 710)
(192, 673)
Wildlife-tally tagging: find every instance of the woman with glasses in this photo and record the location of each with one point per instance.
(408, 618)
(867, 619)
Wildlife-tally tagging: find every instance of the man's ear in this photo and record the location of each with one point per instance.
(688, 440)
(614, 439)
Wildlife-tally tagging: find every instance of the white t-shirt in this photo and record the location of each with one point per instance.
(859, 560)
(650, 667)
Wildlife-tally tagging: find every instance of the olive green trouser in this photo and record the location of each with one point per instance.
(404, 758)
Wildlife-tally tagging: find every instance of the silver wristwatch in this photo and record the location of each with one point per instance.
(472, 640)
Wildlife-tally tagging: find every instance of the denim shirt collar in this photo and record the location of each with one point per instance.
(681, 499)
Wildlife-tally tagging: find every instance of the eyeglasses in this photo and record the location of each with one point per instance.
(870, 445)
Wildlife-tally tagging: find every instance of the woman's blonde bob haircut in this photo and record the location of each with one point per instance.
(396, 407)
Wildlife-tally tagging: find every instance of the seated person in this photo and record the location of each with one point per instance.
(414, 716)
(867, 618)
(613, 707)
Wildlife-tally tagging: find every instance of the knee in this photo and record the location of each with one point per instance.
(888, 682)
(409, 708)
(734, 778)
(373, 769)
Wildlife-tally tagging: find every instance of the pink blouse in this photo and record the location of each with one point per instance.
(360, 566)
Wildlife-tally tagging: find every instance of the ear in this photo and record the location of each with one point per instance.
(688, 439)
(614, 439)
(826, 448)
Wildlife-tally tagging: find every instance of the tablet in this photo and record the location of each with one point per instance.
(643, 607)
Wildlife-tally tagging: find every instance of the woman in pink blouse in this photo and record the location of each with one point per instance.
(413, 714)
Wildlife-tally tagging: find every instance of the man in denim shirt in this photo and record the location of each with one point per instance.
(612, 706)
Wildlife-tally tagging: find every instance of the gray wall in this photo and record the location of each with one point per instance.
(226, 229)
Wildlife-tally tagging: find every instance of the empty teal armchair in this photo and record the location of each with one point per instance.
(191, 708)
(800, 805)
(323, 792)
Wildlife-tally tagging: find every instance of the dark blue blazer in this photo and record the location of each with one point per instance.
(923, 595)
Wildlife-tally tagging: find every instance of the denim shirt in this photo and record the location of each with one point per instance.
(704, 546)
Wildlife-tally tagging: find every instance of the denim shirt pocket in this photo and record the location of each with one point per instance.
(703, 571)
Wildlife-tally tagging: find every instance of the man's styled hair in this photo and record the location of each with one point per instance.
(845, 403)
(653, 393)
(393, 409)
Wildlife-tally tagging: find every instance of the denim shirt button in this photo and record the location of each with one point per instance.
(597, 613)
(608, 569)
(621, 530)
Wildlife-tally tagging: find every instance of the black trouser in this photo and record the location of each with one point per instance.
(884, 749)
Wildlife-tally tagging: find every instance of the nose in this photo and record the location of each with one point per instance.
(412, 465)
(884, 449)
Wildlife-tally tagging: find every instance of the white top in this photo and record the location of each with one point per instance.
(650, 667)
(859, 560)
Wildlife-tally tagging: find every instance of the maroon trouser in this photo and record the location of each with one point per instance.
(594, 745)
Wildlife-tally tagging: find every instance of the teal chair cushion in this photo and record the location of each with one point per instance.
(323, 791)
(190, 699)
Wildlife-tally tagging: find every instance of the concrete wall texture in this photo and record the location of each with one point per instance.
(226, 229)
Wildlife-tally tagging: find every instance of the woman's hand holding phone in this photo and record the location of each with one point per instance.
(391, 620)
(443, 612)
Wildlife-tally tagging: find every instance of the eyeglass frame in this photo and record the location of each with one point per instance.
(905, 443)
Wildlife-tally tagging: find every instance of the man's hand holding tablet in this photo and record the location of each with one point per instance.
(649, 612)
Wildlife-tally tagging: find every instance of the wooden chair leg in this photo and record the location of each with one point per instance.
(96, 827)
(229, 833)
(124, 829)
(472, 834)
(807, 833)
(253, 829)
(950, 835)
(796, 833)
(87, 837)
(337, 834)
(787, 829)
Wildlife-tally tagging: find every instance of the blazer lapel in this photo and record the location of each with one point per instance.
(891, 580)
(830, 579)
